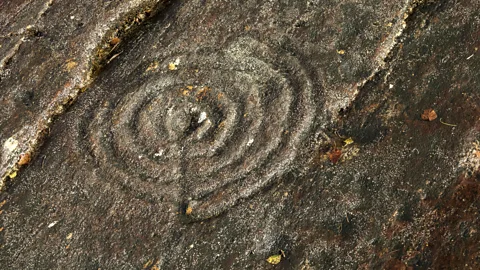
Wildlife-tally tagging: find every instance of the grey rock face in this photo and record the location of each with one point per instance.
(215, 134)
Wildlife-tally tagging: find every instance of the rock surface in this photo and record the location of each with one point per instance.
(215, 134)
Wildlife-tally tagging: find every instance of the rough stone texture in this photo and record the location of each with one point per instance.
(214, 134)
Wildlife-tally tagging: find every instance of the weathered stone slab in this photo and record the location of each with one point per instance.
(215, 134)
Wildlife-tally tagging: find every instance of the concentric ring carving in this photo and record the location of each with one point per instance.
(222, 126)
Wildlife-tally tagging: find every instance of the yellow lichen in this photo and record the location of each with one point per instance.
(13, 174)
(348, 141)
(153, 66)
(174, 65)
(274, 259)
(70, 65)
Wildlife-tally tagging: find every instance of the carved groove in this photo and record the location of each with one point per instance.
(222, 126)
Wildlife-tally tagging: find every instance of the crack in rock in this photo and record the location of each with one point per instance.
(98, 51)
(386, 56)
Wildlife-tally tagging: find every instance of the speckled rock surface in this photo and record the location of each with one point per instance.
(215, 134)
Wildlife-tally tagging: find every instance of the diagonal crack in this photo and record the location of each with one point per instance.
(22, 146)
(389, 51)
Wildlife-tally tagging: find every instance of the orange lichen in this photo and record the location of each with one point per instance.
(202, 93)
(334, 155)
(24, 159)
(429, 115)
(115, 41)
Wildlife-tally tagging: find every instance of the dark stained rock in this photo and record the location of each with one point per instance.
(215, 134)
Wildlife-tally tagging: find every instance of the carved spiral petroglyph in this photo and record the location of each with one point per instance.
(223, 125)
